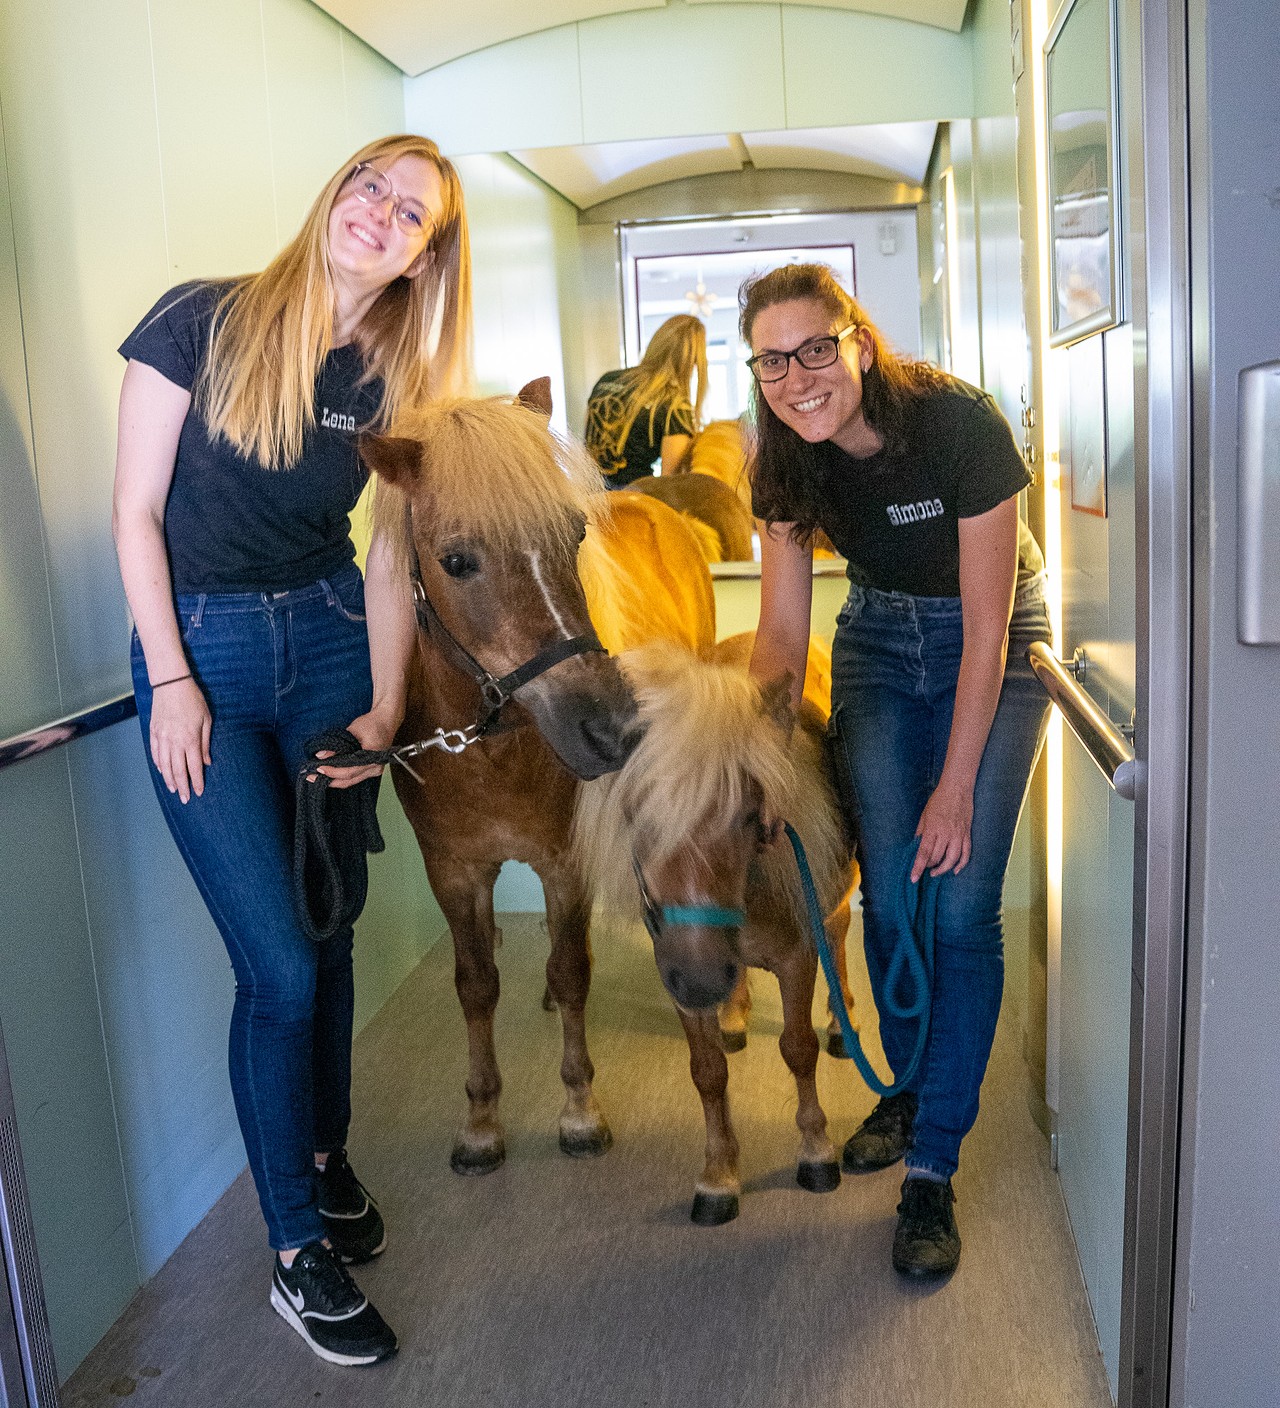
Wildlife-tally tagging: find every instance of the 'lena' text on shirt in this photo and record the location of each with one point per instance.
(337, 420)
(902, 514)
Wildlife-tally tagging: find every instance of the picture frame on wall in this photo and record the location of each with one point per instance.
(1082, 433)
(1080, 108)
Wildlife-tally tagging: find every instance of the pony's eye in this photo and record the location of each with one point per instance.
(459, 565)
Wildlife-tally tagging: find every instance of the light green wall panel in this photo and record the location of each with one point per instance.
(684, 70)
(535, 96)
(305, 98)
(30, 694)
(524, 254)
(215, 137)
(374, 93)
(48, 1003)
(164, 993)
(845, 68)
(79, 113)
(990, 37)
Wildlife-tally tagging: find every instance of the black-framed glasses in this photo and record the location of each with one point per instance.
(813, 355)
(373, 187)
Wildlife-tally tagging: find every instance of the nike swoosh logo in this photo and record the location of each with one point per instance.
(295, 1298)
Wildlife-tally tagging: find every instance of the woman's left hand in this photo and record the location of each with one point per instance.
(944, 832)
(374, 732)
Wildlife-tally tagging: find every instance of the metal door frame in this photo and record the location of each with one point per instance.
(1155, 91)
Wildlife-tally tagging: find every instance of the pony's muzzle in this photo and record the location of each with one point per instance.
(587, 713)
(699, 980)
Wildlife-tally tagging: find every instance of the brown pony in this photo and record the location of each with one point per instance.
(709, 501)
(492, 510)
(675, 838)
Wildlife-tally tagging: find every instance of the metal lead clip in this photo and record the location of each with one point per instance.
(452, 740)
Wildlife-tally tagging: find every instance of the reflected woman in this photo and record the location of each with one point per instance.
(650, 412)
(235, 474)
(936, 714)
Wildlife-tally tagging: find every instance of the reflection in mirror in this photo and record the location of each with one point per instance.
(674, 226)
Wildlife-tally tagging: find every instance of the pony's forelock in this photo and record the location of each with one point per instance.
(493, 470)
(706, 740)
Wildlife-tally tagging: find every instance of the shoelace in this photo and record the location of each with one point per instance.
(330, 1281)
(924, 1202)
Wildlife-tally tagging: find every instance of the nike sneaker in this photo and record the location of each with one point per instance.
(317, 1296)
(351, 1218)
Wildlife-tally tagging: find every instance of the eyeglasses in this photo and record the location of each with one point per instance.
(373, 187)
(813, 355)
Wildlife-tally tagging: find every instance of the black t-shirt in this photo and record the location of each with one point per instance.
(606, 406)
(230, 524)
(895, 516)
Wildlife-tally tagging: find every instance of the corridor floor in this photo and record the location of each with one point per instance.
(556, 1283)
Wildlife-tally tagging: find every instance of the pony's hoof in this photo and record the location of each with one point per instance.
(733, 1041)
(471, 1163)
(548, 1002)
(818, 1178)
(714, 1209)
(836, 1046)
(586, 1144)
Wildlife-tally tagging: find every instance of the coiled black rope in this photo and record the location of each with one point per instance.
(334, 830)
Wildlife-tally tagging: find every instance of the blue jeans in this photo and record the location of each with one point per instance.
(276, 668)
(895, 662)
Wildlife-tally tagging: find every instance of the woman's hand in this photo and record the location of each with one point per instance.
(375, 732)
(180, 723)
(944, 832)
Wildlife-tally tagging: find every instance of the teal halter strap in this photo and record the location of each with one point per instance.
(712, 916)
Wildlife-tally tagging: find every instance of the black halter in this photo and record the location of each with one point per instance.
(495, 691)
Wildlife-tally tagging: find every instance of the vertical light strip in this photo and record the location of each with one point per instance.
(1039, 18)
(951, 223)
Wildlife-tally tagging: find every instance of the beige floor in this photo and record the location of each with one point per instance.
(561, 1284)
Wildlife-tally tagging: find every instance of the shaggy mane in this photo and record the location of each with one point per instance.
(491, 469)
(706, 735)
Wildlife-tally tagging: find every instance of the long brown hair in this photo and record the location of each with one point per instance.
(785, 470)
(273, 330)
(675, 357)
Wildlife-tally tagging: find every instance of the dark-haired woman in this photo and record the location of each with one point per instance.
(915, 477)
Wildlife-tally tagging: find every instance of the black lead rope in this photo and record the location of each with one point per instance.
(335, 829)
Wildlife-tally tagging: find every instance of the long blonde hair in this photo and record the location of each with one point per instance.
(273, 330)
(676, 354)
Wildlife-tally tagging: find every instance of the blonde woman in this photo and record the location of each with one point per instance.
(651, 411)
(235, 474)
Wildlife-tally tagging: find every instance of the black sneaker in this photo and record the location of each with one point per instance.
(926, 1243)
(352, 1221)
(317, 1296)
(883, 1137)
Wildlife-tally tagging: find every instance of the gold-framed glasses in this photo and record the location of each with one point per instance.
(373, 187)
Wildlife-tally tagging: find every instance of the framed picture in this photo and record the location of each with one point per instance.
(1082, 434)
(1080, 105)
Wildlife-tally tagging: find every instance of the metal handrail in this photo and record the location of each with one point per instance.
(1102, 741)
(60, 731)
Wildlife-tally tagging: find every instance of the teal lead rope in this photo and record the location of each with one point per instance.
(916, 921)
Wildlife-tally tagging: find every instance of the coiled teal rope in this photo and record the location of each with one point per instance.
(915, 919)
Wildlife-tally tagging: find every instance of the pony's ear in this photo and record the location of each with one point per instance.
(775, 700)
(394, 457)
(536, 395)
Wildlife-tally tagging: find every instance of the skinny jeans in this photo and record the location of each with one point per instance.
(276, 668)
(895, 664)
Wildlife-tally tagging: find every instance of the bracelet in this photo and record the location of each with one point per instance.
(174, 680)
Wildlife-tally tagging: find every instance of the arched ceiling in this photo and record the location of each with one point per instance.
(416, 36)
(587, 175)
